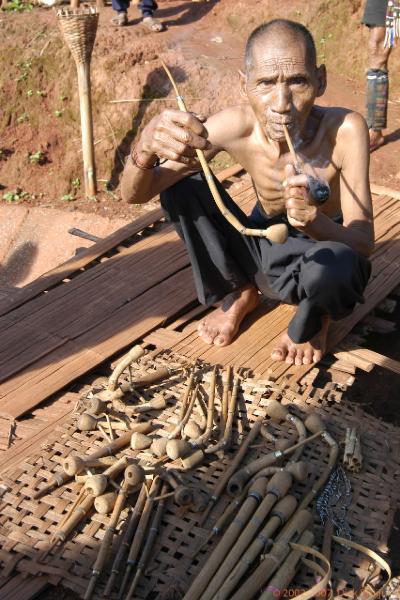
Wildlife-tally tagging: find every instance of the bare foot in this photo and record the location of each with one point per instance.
(221, 326)
(302, 354)
(376, 139)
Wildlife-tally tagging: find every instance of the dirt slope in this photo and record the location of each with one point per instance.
(203, 42)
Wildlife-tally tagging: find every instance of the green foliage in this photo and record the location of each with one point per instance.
(29, 93)
(37, 158)
(17, 6)
(58, 113)
(68, 197)
(76, 183)
(15, 195)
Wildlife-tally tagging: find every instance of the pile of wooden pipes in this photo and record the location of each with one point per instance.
(104, 491)
(264, 519)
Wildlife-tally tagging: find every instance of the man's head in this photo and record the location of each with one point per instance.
(282, 79)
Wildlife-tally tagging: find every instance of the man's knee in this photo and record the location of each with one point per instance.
(335, 268)
(378, 54)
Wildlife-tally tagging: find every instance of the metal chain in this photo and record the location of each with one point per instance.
(334, 501)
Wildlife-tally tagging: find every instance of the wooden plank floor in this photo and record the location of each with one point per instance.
(52, 338)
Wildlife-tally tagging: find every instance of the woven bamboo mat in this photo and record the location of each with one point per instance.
(26, 525)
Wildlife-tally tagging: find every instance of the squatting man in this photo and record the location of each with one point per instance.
(323, 266)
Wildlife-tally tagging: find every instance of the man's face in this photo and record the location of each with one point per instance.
(281, 85)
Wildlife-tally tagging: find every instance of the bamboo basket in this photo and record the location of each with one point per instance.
(79, 27)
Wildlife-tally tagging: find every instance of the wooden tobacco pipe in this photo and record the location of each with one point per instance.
(277, 488)
(139, 441)
(230, 470)
(73, 465)
(96, 485)
(183, 495)
(140, 536)
(239, 479)
(88, 422)
(133, 476)
(282, 578)
(262, 542)
(318, 189)
(292, 531)
(275, 233)
(254, 498)
(110, 449)
(129, 532)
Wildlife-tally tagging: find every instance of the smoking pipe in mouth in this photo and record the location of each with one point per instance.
(318, 189)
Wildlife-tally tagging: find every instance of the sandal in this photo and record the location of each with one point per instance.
(153, 24)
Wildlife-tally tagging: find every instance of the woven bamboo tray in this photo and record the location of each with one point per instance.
(26, 526)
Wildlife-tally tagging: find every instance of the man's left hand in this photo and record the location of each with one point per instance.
(300, 206)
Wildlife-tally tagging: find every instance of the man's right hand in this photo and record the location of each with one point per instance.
(173, 135)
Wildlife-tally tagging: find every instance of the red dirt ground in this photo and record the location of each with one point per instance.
(203, 43)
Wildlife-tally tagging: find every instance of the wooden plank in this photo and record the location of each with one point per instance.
(383, 190)
(377, 359)
(126, 325)
(17, 452)
(51, 278)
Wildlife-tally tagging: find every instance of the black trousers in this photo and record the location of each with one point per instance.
(322, 278)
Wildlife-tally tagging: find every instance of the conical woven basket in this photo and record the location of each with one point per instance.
(79, 29)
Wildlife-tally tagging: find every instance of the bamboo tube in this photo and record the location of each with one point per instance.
(280, 549)
(140, 533)
(222, 482)
(148, 546)
(352, 458)
(108, 450)
(248, 507)
(263, 541)
(133, 355)
(277, 488)
(156, 376)
(177, 429)
(79, 31)
(203, 439)
(74, 518)
(132, 477)
(279, 584)
(226, 382)
(126, 541)
(238, 480)
(226, 438)
(275, 233)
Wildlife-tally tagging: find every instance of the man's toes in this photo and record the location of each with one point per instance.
(291, 355)
(206, 333)
(317, 355)
(299, 356)
(308, 356)
(278, 353)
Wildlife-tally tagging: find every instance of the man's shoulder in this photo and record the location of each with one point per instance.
(239, 119)
(340, 120)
